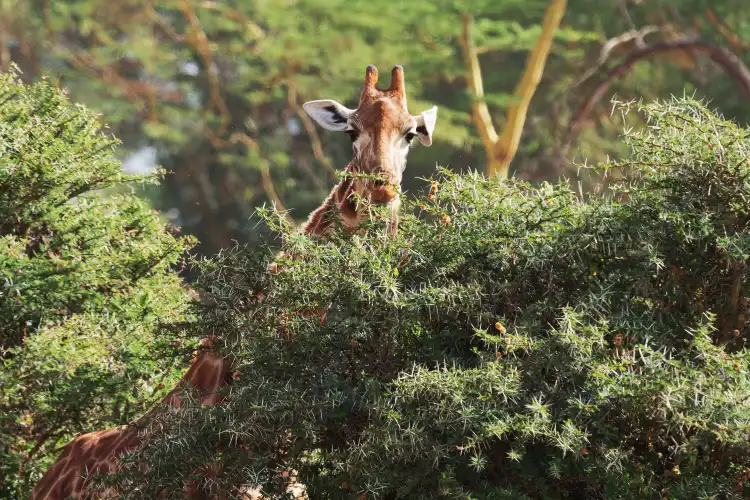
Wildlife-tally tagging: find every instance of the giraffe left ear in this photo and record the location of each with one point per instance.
(426, 125)
(329, 114)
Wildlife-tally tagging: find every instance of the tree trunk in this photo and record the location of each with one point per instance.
(500, 151)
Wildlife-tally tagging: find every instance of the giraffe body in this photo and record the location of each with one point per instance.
(381, 131)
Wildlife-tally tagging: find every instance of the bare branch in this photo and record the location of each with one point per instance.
(723, 57)
(634, 36)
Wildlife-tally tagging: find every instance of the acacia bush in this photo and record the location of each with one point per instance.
(86, 276)
(511, 342)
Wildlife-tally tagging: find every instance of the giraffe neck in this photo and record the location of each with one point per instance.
(342, 205)
(208, 374)
(98, 452)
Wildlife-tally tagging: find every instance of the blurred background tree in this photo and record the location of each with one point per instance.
(212, 90)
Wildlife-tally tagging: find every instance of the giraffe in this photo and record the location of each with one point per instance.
(381, 131)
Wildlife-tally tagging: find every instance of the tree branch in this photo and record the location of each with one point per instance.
(479, 109)
(501, 150)
(312, 133)
(633, 36)
(505, 149)
(723, 57)
(198, 40)
(142, 94)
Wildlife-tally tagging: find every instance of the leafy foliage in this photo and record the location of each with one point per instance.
(85, 278)
(512, 342)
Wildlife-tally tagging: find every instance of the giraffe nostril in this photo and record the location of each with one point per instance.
(380, 183)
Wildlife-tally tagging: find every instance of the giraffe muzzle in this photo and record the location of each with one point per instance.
(382, 193)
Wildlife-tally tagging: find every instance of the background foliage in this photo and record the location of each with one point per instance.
(85, 279)
(513, 342)
(213, 90)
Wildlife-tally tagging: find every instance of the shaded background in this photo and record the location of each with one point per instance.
(211, 90)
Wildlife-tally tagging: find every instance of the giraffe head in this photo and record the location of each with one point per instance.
(381, 130)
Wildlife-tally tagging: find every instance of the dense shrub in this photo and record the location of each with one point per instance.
(85, 278)
(513, 342)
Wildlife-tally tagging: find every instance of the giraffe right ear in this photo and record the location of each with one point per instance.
(329, 114)
(426, 125)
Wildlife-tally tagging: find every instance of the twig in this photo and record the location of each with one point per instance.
(404, 254)
(394, 208)
(270, 189)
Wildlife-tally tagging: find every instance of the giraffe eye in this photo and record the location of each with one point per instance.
(353, 134)
(409, 136)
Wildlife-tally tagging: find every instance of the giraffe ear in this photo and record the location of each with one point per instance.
(426, 125)
(329, 114)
